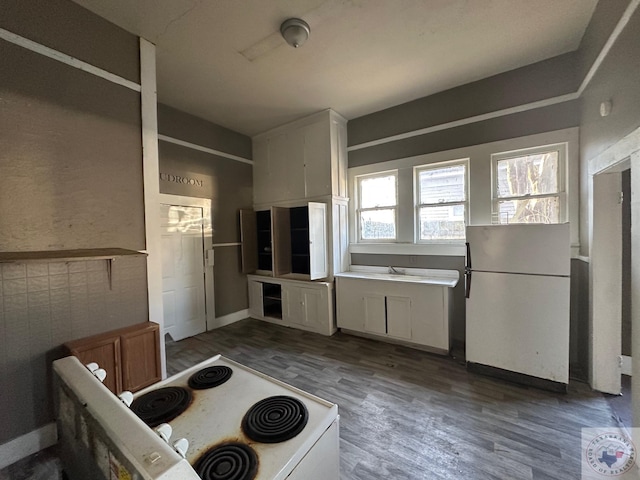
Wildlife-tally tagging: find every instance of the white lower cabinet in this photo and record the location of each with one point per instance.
(415, 313)
(292, 303)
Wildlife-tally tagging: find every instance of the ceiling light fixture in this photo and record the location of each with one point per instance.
(295, 31)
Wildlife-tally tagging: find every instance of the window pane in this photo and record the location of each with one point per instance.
(442, 223)
(530, 210)
(378, 192)
(439, 185)
(528, 175)
(378, 224)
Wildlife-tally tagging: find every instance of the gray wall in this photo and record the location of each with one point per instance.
(227, 182)
(70, 177)
(617, 81)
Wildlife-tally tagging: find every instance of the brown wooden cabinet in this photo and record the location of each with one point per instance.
(130, 355)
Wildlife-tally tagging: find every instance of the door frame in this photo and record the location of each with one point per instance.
(209, 291)
(605, 272)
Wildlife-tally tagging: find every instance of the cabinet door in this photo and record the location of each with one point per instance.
(318, 267)
(374, 314)
(292, 305)
(278, 163)
(317, 159)
(399, 317)
(311, 301)
(141, 357)
(349, 304)
(255, 299)
(249, 240)
(106, 353)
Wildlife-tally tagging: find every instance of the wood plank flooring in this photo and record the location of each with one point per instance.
(408, 414)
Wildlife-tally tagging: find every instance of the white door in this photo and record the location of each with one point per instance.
(183, 296)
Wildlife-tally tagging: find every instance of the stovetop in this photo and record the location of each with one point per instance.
(215, 416)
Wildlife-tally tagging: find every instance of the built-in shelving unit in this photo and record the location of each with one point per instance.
(272, 300)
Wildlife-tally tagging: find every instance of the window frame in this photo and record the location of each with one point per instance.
(359, 209)
(417, 205)
(561, 180)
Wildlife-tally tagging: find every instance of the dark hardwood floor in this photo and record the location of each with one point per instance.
(408, 414)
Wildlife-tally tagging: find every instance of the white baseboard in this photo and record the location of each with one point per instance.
(230, 318)
(626, 365)
(28, 444)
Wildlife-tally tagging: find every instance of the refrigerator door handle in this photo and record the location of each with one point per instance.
(468, 263)
(467, 283)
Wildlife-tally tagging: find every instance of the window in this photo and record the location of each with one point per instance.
(529, 186)
(377, 202)
(441, 201)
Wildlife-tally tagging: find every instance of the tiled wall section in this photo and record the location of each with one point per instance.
(44, 305)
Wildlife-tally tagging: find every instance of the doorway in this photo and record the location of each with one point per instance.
(187, 270)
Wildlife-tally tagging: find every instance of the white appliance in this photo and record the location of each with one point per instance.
(102, 438)
(517, 311)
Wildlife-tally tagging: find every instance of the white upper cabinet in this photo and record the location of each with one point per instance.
(304, 159)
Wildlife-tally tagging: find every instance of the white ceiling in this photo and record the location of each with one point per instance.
(225, 61)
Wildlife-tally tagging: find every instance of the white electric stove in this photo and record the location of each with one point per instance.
(239, 424)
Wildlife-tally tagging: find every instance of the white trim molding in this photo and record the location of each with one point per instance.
(67, 59)
(28, 444)
(231, 244)
(230, 318)
(200, 148)
(151, 173)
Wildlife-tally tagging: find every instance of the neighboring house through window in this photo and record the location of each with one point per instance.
(377, 206)
(441, 201)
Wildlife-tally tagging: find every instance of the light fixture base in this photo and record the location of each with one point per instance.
(295, 31)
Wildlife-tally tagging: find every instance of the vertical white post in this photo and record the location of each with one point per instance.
(151, 172)
(635, 286)
(606, 283)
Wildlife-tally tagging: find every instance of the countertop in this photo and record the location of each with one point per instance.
(443, 278)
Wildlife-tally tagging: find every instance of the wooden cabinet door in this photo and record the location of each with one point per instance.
(399, 317)
(255, 299)
(106, 353)
(375, 320)
(317, 159)
(249, 240)
(141, 357)
(318, 253)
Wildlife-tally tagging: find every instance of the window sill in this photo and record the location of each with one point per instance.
(439, 249)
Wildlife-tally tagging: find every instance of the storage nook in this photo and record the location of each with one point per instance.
(296, 233)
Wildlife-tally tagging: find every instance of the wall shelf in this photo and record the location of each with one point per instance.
(51, 256)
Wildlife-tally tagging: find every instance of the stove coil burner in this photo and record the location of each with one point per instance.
(210, 377)
(229, 461)
(275, 419)
(161, 405)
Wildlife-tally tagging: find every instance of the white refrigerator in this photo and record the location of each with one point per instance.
(517, 312)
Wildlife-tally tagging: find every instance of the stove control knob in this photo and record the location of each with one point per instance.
(126, 397)
(181, 446)
(164, 430)
(93, 366)
(100, 374)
